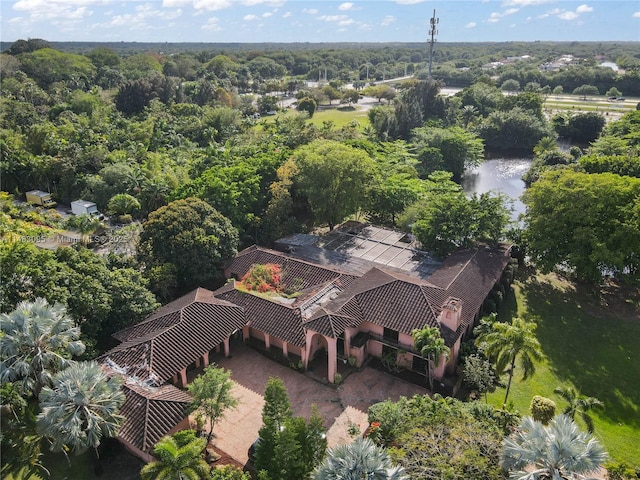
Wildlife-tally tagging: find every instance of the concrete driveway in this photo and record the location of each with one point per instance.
(250, 371)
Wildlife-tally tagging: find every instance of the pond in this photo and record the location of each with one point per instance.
(499, 174)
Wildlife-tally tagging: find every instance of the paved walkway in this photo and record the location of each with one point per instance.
(348, 403)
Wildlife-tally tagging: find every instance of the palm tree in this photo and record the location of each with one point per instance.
(177, 462)
(38, 340)
(468, 114)
(81, 408)
(553, 452)
(431, 346)
(579, 404)
(360, 460)
(506, 342)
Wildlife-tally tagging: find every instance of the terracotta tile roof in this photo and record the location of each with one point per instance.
(470, 275)
(162, 352)
(150, 413)
(296, 274)
(397, 305)
(166, 315)
(330, 325)
(271, 317)
(379, 298)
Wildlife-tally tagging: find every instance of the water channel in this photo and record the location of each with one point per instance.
(499, 174)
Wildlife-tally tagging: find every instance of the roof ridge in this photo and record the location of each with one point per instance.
(426, 298)
(466, 264)
(145, 434)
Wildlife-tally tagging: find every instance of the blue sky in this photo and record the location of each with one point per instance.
(318, 21)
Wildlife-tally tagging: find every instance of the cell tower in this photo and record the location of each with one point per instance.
(433, 22)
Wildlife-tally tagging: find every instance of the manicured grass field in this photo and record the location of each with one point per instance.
(341, 116)
(591, 341)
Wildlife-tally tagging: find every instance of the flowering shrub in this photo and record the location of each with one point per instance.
(353, 429)
(374, 433)
(262, 278)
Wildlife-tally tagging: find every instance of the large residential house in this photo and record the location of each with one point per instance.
(355, 293)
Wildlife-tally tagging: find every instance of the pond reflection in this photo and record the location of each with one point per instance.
(501, 174)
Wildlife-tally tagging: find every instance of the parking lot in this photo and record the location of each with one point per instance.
(337, 406)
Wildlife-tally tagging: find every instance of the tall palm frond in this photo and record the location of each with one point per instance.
(429, 342)
(359, 460)
(505, 343)
(177, 463)
(39, 340)
(579, 404)
(557, 451)
(81, 408)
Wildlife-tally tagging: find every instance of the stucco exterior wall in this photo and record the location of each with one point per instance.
(374, 348)
(295, 350)
(145, 457)
(256, 334)
(405, 339)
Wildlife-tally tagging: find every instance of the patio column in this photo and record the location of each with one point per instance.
(226, 347)
(183, 377)
(307, 348)
(205, 360)
(245, 334)
(267, 342)
(197, 362)
(347, 343)
(175, 379)
(332, 358)
(285, 350)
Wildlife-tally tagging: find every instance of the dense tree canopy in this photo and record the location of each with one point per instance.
(190, 235)
(101, 296)
(446, 219)
(457, 150)
(334, 178)
(435, 438)
(588, 224)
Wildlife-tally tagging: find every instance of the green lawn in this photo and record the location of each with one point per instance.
(341, 116)
(590, 340)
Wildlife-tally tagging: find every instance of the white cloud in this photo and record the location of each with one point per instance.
(346, 22)
(310, 11)
(266, 14)
(176, 3)
(212, 25)
(287, 14)
(345, 6)
(271, 3)
(388, 20)
(496, 16)
(409, 2)
(211, 5)
(54, 10)
(144, 18)
(584, 9)
(636, 15)
(524, 3)
(250, 17)
(470, 25)
(568, 16)
(333, 18)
